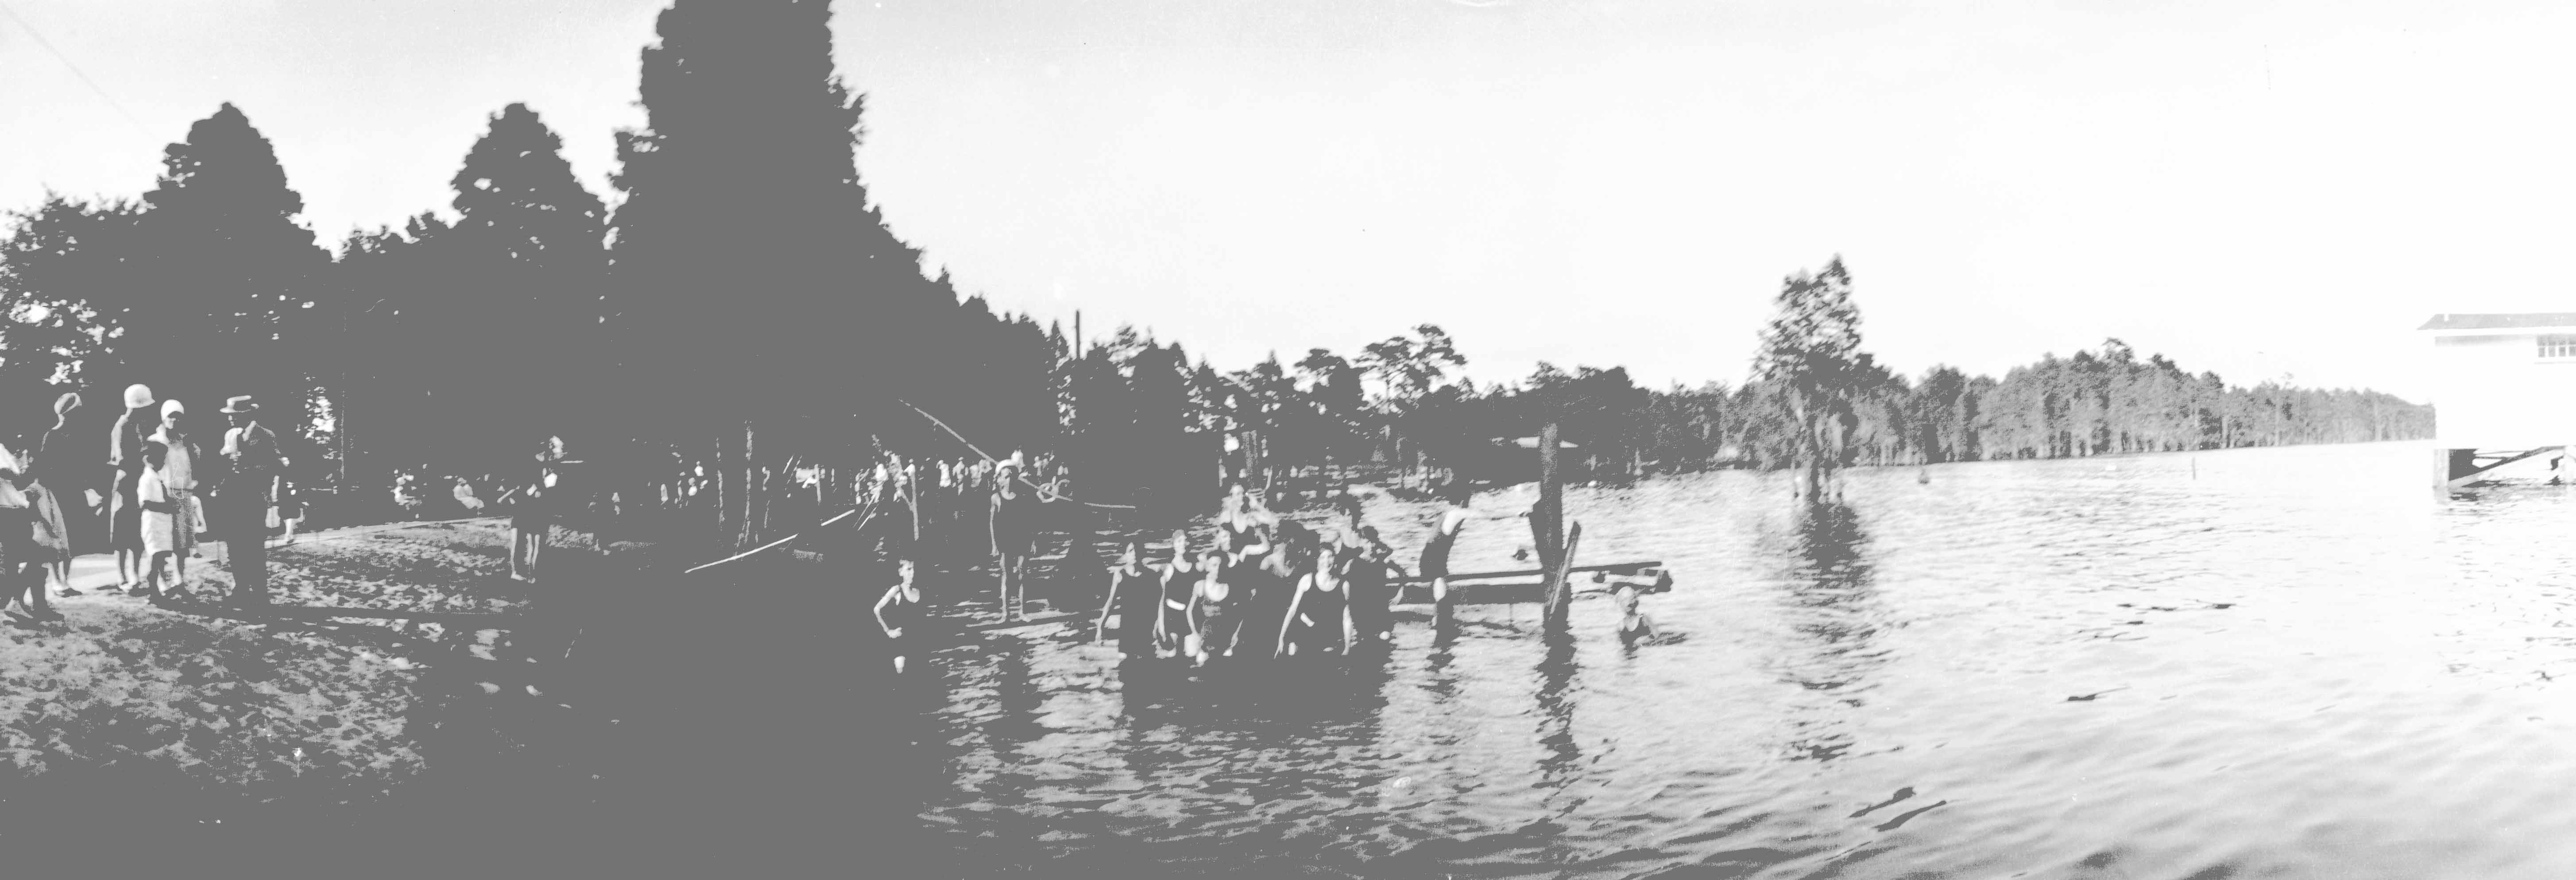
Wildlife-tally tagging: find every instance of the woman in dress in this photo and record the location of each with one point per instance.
(53, 535)
(134, 428)
(179, 480)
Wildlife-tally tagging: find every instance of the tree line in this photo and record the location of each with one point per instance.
(741, 301)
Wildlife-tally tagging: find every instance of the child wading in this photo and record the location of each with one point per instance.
(899, 609)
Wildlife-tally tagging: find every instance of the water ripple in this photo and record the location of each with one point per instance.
(2290, 662)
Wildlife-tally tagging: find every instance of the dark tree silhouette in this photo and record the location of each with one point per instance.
(225, 286)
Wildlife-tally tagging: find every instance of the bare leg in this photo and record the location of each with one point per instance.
(518, 551)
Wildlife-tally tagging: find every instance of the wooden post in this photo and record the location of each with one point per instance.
(1546, 522)
(1559, 588)
(2451, 464)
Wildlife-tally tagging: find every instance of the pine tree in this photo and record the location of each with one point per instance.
(220, 301)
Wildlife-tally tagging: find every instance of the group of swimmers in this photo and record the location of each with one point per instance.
(1264, 587)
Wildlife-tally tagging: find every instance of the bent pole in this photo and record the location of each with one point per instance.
(756, 550)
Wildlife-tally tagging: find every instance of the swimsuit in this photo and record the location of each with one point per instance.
(1136, 598)
(1175, 608)
(1317, 628)
(1369, 596)
(1219, 619)
(1435, 555)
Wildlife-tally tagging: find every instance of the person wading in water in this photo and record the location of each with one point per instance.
(897, 610)
(1444, 536)
(1014, 537)
(1216, 612)
(1132, 596)
(1318, 621)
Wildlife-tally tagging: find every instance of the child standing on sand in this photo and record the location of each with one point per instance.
(160, 538)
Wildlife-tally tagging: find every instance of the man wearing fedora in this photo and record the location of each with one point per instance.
(239, 516)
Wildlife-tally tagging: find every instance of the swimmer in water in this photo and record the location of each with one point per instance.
(1178, 579)
(1215, 613)
(1132, 596)
(1634, 625)
(1318, 618)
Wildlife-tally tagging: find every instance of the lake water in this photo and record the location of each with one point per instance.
(2274, 662)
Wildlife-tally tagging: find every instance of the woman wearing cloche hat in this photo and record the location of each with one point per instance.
(134, 427)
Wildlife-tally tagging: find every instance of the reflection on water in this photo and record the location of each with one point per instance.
(1831, 604)
(2253, 663)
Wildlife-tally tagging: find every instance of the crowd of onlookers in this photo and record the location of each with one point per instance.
(167, 489)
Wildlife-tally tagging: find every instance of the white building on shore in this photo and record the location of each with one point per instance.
(2496, 381)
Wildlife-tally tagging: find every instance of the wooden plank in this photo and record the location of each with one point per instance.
(1507, 593)
(1038, 620)
(2472, 476)
(315, 613)
(1609, 567)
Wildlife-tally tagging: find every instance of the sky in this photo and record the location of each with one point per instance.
(2265, 190)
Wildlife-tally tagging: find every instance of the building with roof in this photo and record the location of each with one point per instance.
(2494, 376)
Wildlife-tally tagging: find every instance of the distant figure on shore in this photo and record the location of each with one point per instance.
(247, 499)
(532, 518)
(464, 493)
